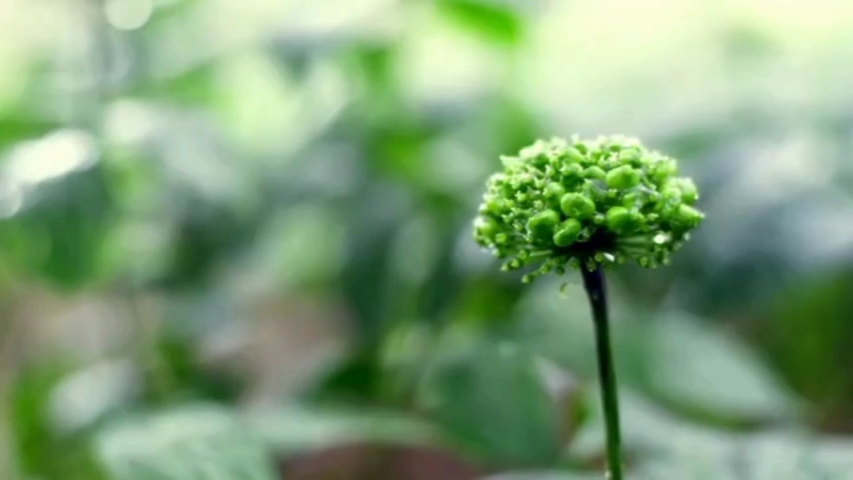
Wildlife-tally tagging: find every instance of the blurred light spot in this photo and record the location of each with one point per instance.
(85, 396)
(11, 202)
(508, 350)
(302, 246)
(416, 249)
(438, 64)
(50, 157)
(778, 171)
(825, 225)
(13, 81)
(128, 14)
(201, 166)
(259, 104)
(37, 161)
(556, 380)
(129, 121)
(454, 168)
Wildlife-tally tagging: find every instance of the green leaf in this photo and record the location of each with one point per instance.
(557, 324)
(492, 399)
(294, 430)
(666, 448)
(701, 369)
(193, 442)
(493, 21)
(809, 338)
(368, 282)
(694, 368)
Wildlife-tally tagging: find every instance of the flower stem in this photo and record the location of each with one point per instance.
(595, 288)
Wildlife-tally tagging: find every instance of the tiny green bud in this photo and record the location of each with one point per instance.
(689, 192)
(539, 160)
(555, 191)
(687, 216)
(574, 155)
(542, 225)
(567, 233)
(577, 205)
(594, 173)
(486, 227)
(495, 206)
(620, 220)
(663, 169)
(631, 199)
(672, 194)
(572, 171)
(623, 178)
(630, 156)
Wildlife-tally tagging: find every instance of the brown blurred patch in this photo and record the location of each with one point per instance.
(282, 344)
(375, 462)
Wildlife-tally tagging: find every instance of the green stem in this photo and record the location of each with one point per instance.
(595, 288)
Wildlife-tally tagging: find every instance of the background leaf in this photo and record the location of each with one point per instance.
(671, 357)
(193, 442)
(492, 399)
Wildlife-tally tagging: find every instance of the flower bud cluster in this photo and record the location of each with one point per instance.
(560, 204)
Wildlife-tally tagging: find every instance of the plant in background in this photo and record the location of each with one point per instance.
(588, 205)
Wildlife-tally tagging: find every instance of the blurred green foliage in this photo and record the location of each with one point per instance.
(235, 240)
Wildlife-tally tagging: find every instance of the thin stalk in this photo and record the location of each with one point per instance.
(594, 284)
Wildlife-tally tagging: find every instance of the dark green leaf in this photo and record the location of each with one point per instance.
(700, 369)
(492, 399)
(674, 358)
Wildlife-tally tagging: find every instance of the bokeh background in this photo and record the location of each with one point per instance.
(235, 240)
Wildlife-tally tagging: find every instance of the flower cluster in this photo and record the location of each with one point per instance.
(580, 203)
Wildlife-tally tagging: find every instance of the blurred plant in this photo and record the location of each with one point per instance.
(588, 204)
(199, 193)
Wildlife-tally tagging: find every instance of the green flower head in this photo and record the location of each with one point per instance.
(606, 201)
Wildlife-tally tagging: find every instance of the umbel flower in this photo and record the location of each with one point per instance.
(592, 203)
